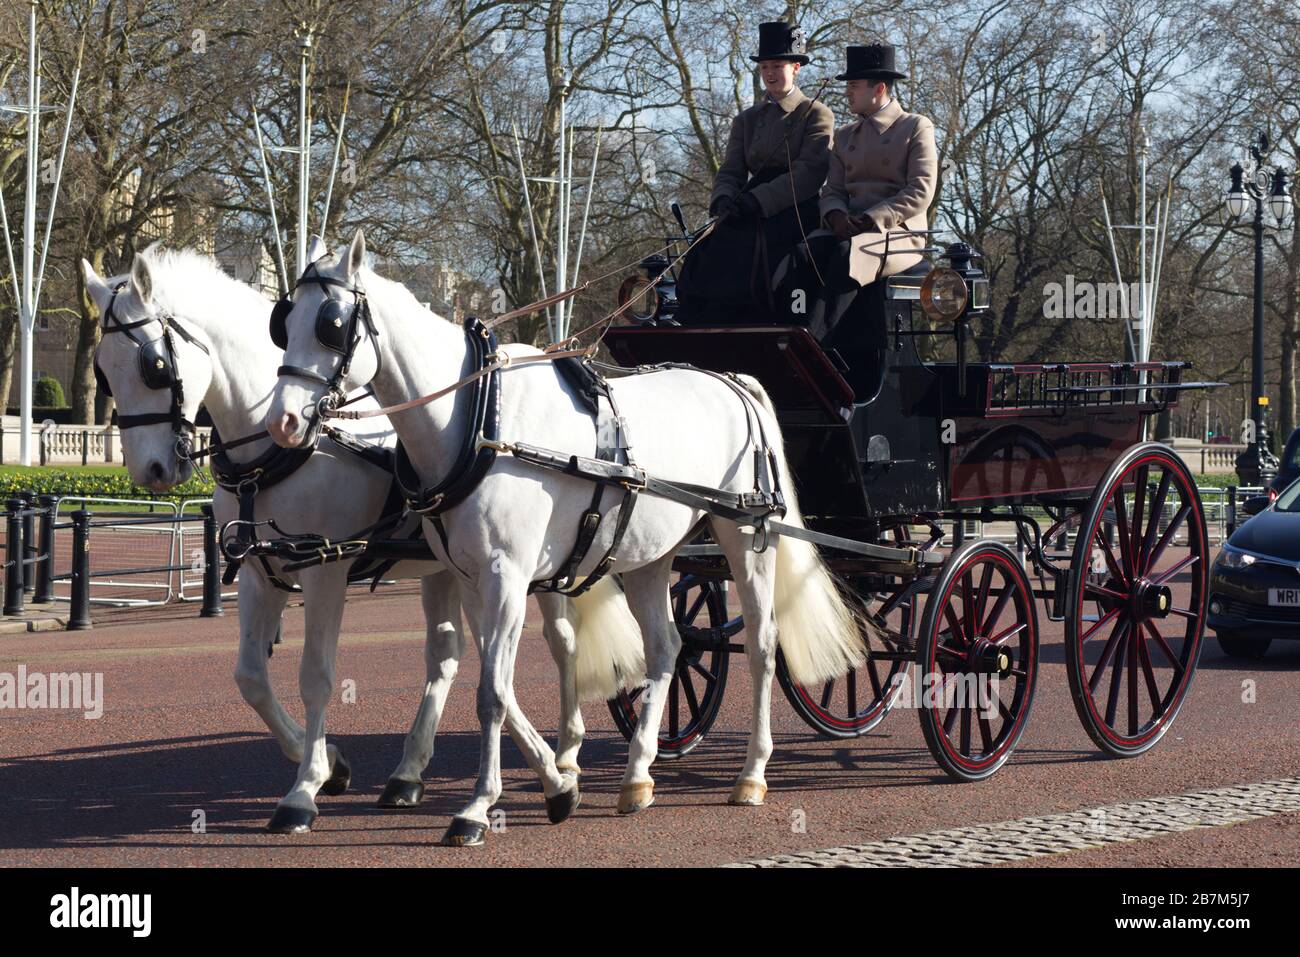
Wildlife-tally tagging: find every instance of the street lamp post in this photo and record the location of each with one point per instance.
(1257, 464)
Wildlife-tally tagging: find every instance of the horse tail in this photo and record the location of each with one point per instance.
(819, 631)
(611, 654)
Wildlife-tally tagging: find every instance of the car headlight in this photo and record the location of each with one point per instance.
(1231, 558)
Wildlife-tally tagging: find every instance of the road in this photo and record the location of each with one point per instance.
(175, 739)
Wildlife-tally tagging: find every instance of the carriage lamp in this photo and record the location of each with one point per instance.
(943, 294)
(641, 293)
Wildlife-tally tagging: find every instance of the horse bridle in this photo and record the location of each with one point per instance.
(157, 370)
(333, 333)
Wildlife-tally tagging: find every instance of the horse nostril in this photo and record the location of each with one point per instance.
(289, 423)
(156, 471)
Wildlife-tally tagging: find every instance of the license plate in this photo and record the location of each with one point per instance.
(1289, 597)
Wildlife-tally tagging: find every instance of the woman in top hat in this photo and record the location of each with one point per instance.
(882, 178)
(765, 193)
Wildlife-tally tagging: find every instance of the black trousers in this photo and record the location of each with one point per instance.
(729, 277)
(844, 316)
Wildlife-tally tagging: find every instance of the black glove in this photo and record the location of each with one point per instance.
(720, 207)
(746, 208)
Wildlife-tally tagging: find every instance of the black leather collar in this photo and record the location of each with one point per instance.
(473, 460)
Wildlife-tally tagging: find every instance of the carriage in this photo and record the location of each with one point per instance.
(1106, 529)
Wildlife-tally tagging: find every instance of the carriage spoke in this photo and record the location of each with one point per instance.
(1009, 633)
(965, 729)
(1144, 657)
(1109, 554)
(876, 688)
(827, 690)
(696, 606)
(1100, 621)
(674, 701)
(692, 702)
(1112, 643)
(999, 607)
(1153, 523)
(986, 734)
(709, 677)
(967, 601)
(1184, 613)
(1164, 647)
(1154, 558)
(1139, 512)
(1002, 710)
(955, 623)
(1116, 678)
(981, 602)
(851, 688)
(1090, 587)
(1134, 640)
(1123, 532)
(1171, 572)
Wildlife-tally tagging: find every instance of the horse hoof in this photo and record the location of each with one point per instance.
(399, 793)
(636, 797)
(463, 832)
(558, 808)
(291, 820)
(340, 777)
(748, 793)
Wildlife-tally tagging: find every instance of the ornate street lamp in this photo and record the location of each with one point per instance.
(1257, 464)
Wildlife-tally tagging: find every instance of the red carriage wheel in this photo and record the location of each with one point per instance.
(700, 677)
(978, 652)
(1133, 626)
(853, 704)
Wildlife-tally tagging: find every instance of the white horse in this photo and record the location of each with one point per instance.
(335, 493)
(519, 523)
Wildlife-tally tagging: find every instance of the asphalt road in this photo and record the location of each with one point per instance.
(175, 739)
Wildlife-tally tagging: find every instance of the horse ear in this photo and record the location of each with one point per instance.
(316, 248)
(356, 253)
(96, 288)
(141, 279)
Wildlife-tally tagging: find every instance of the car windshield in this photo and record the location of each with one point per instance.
(1289, 500)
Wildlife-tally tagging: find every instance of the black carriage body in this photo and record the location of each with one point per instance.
(920, 443)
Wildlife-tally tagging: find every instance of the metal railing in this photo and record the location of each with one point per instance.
(31, 546)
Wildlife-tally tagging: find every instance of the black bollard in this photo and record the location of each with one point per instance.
(45, 563)
(79, 610)
(211, 565)
(1232, 510)
(30, 546)
(14, 557)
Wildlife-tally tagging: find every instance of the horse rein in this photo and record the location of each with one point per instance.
(500, 361)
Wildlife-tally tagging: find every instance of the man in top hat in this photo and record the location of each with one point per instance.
(883, 172)
(765, 194)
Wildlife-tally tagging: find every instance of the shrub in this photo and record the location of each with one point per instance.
(94, 483)
(48, 392)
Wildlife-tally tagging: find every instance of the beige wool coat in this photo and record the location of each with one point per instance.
(883, 167)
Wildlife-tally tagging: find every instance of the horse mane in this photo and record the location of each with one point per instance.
(187, 282)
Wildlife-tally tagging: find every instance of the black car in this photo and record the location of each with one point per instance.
(1288, 469)
(1255, 581)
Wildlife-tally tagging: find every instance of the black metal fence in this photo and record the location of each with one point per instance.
(31, 530)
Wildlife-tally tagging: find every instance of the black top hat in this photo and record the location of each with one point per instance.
(873, 62)
(780, 41)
